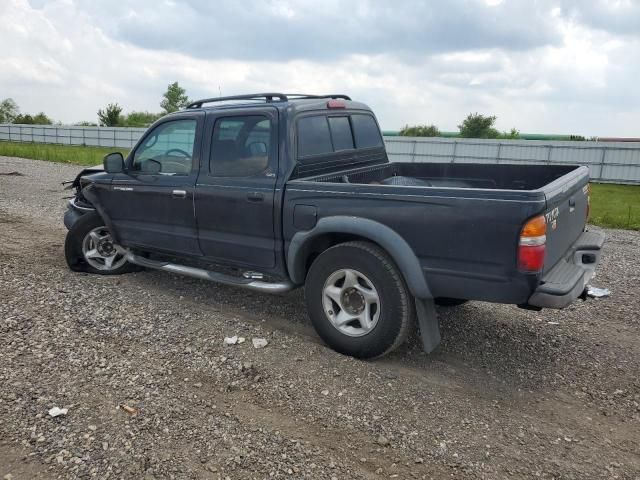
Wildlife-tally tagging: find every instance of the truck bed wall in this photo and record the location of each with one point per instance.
(502, 176)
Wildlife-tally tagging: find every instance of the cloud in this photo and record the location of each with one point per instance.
(620, 17)
(540, 66)
(292, 30)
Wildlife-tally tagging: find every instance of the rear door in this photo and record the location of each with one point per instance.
(151, 205)
(235, 189)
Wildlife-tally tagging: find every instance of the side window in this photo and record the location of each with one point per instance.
(341, 133)
(240, 146)
(168, 150)
(366, 132)
(313, 136)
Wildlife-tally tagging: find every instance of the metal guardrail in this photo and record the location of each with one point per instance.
(614, 162)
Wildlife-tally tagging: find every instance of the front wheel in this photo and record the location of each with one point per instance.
(358, 301)
(89, 247)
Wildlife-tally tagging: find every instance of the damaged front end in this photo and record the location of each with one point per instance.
(78, 205)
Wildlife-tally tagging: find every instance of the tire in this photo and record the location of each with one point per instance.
(80, 240)
(333, 296)
(450, 302)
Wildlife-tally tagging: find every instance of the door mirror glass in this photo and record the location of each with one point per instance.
(113, 163)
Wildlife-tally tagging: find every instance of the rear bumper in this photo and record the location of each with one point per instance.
(569, 277)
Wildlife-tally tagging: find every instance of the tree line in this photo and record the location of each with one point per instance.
(475, 125)
(173, 99)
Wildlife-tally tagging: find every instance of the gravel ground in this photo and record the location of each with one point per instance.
(508, 394)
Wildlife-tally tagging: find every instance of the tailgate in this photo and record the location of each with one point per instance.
(566, 214)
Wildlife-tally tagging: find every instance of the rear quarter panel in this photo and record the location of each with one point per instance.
(464, 239)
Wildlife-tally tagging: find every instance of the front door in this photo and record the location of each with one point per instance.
(235, 188)
(151, 205)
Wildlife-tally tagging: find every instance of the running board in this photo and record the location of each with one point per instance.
(248, 283)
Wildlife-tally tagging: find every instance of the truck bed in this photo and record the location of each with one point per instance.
(463, 221)
(503, 177)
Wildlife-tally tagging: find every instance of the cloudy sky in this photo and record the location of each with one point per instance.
(542, 66)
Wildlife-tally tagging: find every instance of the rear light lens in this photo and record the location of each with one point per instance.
(333, 103)
(532, 245)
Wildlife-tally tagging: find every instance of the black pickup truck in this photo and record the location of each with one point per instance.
(271, 192)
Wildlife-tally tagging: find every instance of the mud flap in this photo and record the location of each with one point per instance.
(428, 324)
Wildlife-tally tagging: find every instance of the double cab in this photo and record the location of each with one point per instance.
(272, 192)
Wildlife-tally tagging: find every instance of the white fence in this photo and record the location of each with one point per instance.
(72, 135)
(616, 162)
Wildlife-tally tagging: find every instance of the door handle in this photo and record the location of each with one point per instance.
(179, 194)
(255, 197)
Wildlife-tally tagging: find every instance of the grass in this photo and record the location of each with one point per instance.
(612, 206)
(72, 154)
(615, 206)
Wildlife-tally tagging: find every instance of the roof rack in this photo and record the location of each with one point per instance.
(302, 96)
(267, 97)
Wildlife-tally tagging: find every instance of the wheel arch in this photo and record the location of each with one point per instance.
(307, 245)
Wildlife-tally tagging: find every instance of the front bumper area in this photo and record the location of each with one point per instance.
(569, 277)
(74, 211)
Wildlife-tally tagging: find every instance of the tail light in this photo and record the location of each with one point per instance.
(532, 245)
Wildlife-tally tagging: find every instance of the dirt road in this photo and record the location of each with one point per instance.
(508, 394)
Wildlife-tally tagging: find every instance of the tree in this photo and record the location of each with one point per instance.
(511, 135)
(8, 110)
(175, 98)
(38, 119)
(478, 126)
(139, 119)
(420, 131)
(110, 116)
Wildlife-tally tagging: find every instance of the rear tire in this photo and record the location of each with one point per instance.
(358, 301)
(89, 247)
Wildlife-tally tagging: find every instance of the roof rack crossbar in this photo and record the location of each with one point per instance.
(300, 96)
(268, 97)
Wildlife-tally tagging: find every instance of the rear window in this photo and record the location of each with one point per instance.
(341, 133)
(320, 134)
(240, 146)
(313, 136)
(366, 131)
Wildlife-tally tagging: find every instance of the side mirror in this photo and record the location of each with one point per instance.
(113, 163)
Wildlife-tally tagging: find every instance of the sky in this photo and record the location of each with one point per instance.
(541, 66)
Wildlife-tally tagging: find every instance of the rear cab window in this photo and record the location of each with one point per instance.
(324, 134)
(241, 146)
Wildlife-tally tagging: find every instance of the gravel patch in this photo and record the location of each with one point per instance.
(152, 390)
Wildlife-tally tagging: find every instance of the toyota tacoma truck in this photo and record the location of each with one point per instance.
(271, 192)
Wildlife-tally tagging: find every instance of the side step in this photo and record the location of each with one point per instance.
(248, 283)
